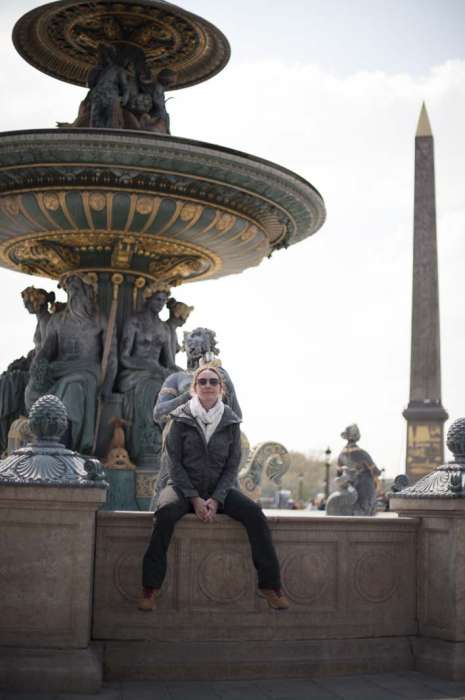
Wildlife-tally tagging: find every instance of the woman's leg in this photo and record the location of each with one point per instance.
(247, 512)
(171, 507)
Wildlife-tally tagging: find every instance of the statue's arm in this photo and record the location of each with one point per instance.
(167, 359)
(48, 350)
(124, 87)
(40, 379)
(234, 403)
(231, 395)
(174, 345)
(168, 399)
(366, 457)
(128, 345)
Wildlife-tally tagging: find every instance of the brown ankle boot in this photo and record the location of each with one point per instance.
(274, 597)
(148, 600)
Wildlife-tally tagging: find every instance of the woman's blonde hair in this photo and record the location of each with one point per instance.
(203, 368)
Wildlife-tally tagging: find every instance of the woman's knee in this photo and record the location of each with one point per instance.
(245, 510)
(256, 514)
(168, 513)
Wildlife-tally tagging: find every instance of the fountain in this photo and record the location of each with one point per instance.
(120, 211)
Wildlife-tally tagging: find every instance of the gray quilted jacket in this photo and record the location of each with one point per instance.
(192, 465)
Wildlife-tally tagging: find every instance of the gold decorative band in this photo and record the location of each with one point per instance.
(54, 254)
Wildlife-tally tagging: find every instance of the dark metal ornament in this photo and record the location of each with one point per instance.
(46, 461)
(62, 39)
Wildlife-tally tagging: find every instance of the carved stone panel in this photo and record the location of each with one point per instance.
(437, 578)
(382, 574)
(309, 575)
(29, 578)
(330, 570)
(119, 566)
(46, 565)
(375, 576)
(223, 577)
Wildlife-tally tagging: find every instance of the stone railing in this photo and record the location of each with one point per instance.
(367, 594)
(351, 583)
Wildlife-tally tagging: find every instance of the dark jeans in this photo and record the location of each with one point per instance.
(172, 506)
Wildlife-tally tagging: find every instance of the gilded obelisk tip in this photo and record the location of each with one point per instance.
(424, 127)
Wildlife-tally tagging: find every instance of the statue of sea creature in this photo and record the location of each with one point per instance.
(270, 458)
(357, 472)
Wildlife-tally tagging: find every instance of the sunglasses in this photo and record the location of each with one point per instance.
(203, 381)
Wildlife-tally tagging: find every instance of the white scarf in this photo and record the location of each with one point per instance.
(207, 420)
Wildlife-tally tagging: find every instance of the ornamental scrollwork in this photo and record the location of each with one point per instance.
(445, 482)
(44, 257)
(270, 458)
(177, 269)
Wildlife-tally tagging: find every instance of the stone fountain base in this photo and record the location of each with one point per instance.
(47, 539)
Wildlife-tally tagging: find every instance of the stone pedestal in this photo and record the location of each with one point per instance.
(47, 538)
(440, 646)
(438, 501)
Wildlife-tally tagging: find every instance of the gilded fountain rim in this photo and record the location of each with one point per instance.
(130, 136)
(236, 208)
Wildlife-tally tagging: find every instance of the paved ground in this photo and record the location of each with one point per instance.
(384, 686)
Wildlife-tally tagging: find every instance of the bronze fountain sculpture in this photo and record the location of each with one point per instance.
(119, 211)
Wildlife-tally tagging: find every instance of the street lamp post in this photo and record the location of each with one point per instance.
(300, 491)
(327, 468)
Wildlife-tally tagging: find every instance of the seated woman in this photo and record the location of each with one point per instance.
(202, 451)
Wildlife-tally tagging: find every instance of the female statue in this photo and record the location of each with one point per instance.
(146, 359)
(68, 363)
(179, 313)
(40, 303)
(14, 380)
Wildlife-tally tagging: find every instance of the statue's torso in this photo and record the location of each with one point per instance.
(150, 336)
(76, 339)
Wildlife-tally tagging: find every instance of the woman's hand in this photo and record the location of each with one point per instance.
(200, 508)
(212, 508)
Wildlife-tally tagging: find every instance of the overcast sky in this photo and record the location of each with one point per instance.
(319, 336)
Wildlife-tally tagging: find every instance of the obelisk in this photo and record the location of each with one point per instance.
(425, 414)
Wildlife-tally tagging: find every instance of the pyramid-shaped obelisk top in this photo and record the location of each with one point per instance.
(424, 127)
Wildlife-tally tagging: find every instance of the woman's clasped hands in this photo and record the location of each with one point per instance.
(205, 510)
